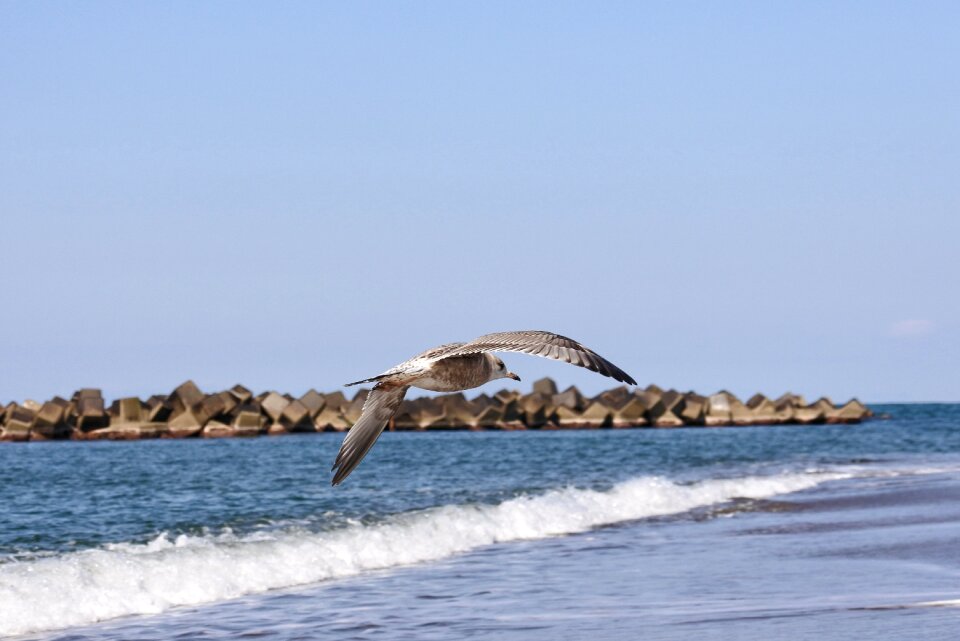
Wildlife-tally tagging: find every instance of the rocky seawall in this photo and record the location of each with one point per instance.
(188, 412)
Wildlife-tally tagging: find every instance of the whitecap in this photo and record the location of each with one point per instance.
(146, 578)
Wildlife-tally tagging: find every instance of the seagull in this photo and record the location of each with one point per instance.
(455, 367)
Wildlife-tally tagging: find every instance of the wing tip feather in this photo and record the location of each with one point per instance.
(377, 410)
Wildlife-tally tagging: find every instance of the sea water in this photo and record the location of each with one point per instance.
(826, 531)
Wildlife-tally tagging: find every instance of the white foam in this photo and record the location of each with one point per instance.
(948, 603)
(126, 578)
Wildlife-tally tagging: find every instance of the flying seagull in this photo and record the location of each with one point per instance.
(452, 368)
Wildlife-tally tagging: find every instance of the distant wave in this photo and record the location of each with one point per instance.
(147, 578)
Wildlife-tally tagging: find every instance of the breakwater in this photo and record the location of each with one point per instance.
(188, 412)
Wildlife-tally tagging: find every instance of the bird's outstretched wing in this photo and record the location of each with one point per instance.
(544, 344)
(381, 404)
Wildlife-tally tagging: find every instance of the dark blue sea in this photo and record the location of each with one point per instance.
(823, 532)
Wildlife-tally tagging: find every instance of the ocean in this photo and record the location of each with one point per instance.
(823, 532)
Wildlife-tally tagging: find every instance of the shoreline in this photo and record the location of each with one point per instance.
(150, 541)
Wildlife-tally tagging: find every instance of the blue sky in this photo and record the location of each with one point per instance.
(751, 196)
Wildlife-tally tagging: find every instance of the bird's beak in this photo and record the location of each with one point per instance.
(513, 376)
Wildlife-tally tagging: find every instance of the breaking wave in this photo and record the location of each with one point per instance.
(147, 578)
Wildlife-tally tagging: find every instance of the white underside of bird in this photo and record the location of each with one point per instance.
(455, 367)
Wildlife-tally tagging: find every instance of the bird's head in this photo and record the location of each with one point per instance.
(500, 370)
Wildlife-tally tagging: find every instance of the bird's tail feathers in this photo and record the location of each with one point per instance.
(374, 379)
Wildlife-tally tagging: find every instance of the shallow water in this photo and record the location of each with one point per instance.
(739, 533)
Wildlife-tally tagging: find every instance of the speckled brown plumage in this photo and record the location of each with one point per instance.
(451, 368)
